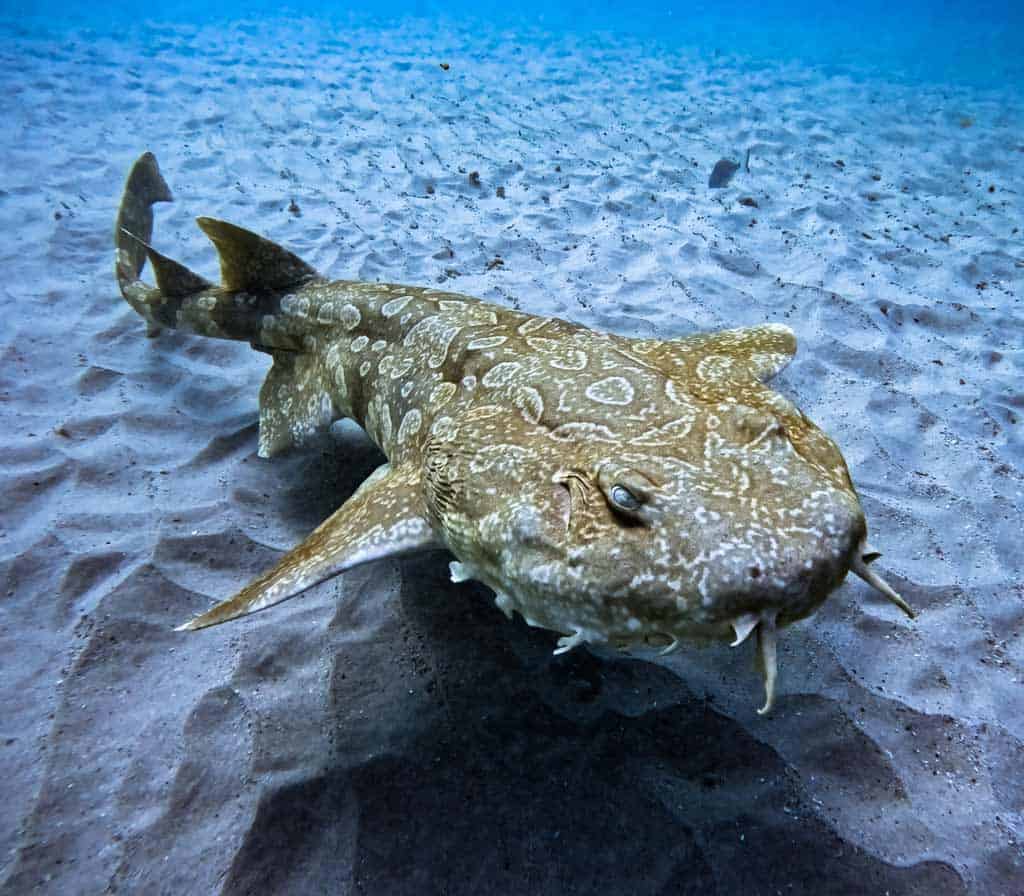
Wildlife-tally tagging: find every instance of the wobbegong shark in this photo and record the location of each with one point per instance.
(618, 491)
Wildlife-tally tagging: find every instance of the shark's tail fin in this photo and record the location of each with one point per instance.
(250, 265)
(134, 230)
(256, 275)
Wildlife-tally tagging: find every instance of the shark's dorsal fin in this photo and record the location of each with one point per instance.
(761, 351)
(252, 263)
(173, 279)
(384, 518)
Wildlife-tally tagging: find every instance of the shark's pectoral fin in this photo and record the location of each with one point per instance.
(295, 401)
(761, 352)
(384, 518)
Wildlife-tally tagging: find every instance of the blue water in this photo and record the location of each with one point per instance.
(961, 42)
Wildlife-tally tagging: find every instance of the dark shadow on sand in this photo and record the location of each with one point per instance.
(511, 771)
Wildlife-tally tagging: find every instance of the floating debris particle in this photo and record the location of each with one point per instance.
(748, 201)
(474, 178)
(499, 192)
(444, 65)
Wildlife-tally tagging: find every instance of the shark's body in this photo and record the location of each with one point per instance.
(617, 491)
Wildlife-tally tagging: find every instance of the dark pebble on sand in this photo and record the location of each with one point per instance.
(722, 173)
(474, 178)
(749, 202)
(500, 192)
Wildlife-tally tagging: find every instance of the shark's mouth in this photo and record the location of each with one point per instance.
(763, 625)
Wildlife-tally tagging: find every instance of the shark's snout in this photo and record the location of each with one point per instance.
(788, 567)
(796, 570)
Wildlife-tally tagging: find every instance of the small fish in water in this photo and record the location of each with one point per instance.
(722, 173)
(622, 492)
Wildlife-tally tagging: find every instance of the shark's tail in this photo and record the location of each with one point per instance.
(133, 231)
(255, 272)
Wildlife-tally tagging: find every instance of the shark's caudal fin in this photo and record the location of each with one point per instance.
(134, 229)
(144, 187)
(182, 299)
(384, 518)
(295, 400)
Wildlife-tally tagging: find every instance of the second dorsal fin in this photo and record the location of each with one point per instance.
(173, 279)
(252, 263)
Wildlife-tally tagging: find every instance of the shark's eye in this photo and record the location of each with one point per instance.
(628, 492)
(624, 499)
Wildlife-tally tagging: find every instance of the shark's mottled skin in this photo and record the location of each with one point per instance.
(617, 491)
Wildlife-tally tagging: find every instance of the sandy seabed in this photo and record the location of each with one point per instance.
(390, 732)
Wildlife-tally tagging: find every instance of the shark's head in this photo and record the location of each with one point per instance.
(738, 522)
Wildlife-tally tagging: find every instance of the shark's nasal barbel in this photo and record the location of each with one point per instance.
(859, 567)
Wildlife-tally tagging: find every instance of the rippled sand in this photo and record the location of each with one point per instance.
(391, 732)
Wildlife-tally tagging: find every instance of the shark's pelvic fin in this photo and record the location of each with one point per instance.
(251, 263)
(295, 402)
(384, 518)
(761, 352)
